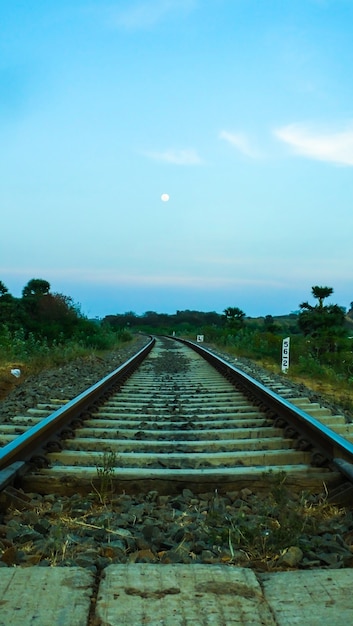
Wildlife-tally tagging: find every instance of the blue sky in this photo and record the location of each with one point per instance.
(240, 110)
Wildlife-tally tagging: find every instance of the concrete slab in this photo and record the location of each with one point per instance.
(179, 595)
(45, 596)
(311, 598)
(139, 594)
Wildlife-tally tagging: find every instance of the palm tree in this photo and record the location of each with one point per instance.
(234, 316)
(325, 324)
(320, 293)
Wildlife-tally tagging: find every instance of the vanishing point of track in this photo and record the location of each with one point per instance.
(173, 417)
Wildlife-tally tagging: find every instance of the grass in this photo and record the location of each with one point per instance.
(254, 532)
(105, 473)
(325, 380)
(263, 528)
(258, 531)
(327, 384)
(32, 360)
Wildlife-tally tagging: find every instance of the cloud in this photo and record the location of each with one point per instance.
(147, 13)
(334, 147)
(241, 142)
(177, 157)
(113, 278)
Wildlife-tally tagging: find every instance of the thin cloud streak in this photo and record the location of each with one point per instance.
(176, 157)
(241, 142)
(113, 278)
(333, 147)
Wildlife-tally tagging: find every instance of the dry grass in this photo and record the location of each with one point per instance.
(255, 534)
(340, 393)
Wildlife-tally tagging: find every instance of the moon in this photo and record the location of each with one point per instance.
(165, 197)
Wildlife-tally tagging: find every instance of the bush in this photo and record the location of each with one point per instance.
(308, 366)
(38, 352)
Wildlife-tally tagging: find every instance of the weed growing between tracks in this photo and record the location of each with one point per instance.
(239, 528)
(105, 473)
(260, 530)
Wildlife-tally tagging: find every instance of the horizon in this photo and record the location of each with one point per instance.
(172, 311)
(177, 154)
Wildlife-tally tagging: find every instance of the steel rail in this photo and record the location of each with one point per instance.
(20, 451)
(328, 446)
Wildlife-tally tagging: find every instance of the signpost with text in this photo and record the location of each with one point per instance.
(285, 354)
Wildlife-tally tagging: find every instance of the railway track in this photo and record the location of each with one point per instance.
(171, 419)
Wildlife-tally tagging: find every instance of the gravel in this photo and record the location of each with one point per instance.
(67, 381)
(240, 528)
(64, 382)
(298, 389)
(281, 530)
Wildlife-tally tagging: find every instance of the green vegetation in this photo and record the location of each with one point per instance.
(262, 528)
(324, 325)
(321, 347)
(105, 474)
(43, 328)
(234, 318)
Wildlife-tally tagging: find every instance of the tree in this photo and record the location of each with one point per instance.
(36, 287)
(3, 289)
(56, 314)
(324, 324)
(32, 294)
(321, 293)
(234, 317)
(270, 324)
(11, 310)
(122, 320)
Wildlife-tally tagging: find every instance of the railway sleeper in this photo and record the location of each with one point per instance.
(161, 434)
(192, 460)
(186, 446)
(72, 479)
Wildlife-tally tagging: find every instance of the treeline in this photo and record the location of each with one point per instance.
(208, 323)
(39, 311)
(40, 319)
(150, 321)
(320, 333)
(326, 323)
